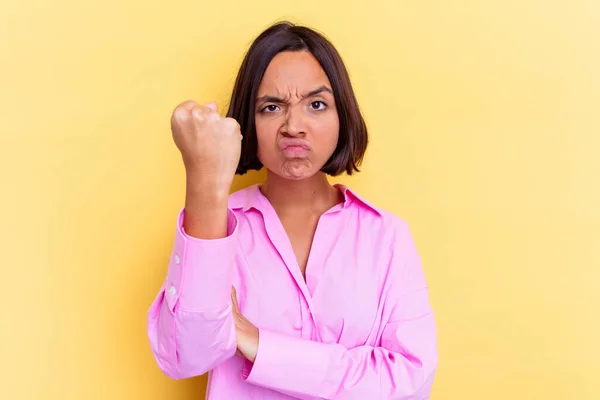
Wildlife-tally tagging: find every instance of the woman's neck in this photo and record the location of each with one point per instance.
(311, 195)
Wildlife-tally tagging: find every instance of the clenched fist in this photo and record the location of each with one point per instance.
(210, 144)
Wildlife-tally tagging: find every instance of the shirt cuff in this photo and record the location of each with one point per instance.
(200, 273)
(291, 365)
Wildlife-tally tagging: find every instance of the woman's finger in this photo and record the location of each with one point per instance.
(234, 302)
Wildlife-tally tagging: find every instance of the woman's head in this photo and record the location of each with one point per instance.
(296, 107)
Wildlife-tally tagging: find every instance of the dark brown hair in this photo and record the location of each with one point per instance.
(285, 36)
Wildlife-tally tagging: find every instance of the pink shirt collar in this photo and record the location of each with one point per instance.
(252, 197)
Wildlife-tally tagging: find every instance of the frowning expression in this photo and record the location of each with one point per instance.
(297, 123)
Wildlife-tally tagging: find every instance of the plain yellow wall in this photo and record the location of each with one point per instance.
(484, 118)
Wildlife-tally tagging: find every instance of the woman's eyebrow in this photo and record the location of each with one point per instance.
(318, 90)
(270, 99)
(278, 100)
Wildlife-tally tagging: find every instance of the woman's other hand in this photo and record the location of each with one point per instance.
(246, 333)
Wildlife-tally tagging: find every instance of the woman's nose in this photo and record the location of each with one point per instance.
(294, 124)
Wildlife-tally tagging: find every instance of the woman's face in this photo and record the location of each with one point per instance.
(297, 124)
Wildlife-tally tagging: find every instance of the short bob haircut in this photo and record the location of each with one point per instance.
(285, 36)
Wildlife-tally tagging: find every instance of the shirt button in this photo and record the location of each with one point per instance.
(177, 259)
(172, 290)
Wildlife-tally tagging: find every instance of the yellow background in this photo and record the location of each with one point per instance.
(485, 127)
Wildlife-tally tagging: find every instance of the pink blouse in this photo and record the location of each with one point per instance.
(359, 327)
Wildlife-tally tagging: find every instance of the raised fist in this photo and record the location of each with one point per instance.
(210, 144)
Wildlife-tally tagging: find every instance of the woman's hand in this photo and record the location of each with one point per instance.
(210, 145)
(246, 333)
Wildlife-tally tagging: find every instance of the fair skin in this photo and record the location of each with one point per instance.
(297, 128)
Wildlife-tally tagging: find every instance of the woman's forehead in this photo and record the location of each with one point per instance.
(293, 71)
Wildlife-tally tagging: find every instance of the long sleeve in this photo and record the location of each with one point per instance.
(190, 323)
(402, 367)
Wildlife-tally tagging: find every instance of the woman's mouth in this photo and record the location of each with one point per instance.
(292, 147)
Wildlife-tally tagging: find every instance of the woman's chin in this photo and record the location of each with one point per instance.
(297, 170)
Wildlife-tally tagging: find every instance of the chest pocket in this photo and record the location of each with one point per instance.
(347, 304)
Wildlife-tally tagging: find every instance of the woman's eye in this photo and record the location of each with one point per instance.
(318, 105)
(270, 108)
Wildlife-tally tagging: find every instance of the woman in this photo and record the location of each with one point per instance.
(293, 288)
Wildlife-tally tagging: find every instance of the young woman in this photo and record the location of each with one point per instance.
(292, 288)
